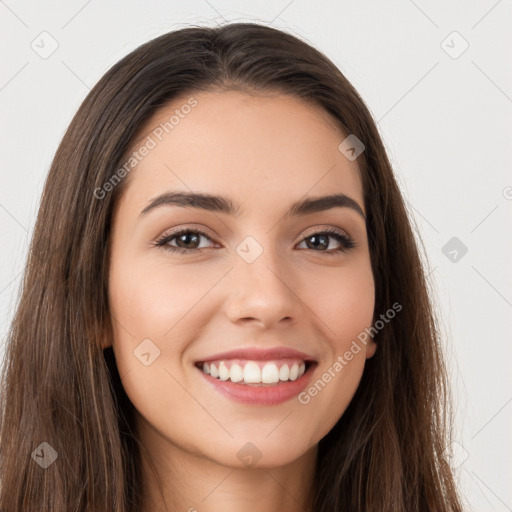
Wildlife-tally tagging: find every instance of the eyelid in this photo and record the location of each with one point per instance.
(324, 228)
(187, 227)
(205, 231)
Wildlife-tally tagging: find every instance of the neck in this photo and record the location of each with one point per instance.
(179, 480)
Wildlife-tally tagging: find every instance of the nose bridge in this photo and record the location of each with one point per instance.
(260, 281)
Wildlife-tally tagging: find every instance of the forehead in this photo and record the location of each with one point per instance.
(255, 149)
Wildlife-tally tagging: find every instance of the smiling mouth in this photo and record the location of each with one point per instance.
(256, 373)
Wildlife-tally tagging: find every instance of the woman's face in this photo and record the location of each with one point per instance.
(255, 281)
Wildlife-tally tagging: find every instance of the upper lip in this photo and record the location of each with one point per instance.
(259, 354)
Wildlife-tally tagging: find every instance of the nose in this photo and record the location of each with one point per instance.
(263, 293)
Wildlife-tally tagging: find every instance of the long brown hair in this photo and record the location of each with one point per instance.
(61, 393)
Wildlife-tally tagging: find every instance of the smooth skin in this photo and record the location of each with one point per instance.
(264, 153)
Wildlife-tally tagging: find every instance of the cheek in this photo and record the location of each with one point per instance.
(346, 309)
(152, 306)
(152, 300)
(346, 305)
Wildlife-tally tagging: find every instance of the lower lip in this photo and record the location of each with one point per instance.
(260, 395)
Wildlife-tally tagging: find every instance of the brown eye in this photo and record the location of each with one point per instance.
(184, 240)
(321, 240)
(187, 241)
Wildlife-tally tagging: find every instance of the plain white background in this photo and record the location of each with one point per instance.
(436, 77)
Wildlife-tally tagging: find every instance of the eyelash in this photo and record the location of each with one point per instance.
(346, 243)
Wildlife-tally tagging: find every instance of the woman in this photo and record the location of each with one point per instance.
(224, 304)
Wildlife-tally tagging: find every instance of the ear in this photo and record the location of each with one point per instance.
(371, 347)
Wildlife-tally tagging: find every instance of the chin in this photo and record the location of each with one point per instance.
(258, 453)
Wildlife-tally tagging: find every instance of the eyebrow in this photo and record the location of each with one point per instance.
(225, 205)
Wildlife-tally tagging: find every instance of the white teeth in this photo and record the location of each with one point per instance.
(284, 372)
(269, 374)
(223, 371)
(294, 371)
(251, 373)
(236, 373)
